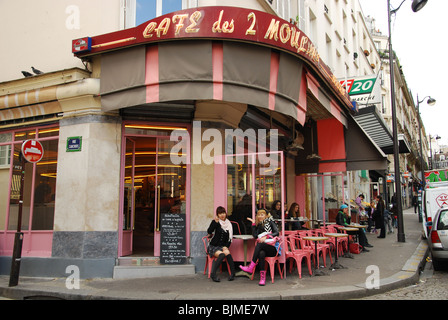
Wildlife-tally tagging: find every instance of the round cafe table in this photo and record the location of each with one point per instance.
(316, 272)
(336, 264)
(348, 229)
(358, 227)
(245, 238)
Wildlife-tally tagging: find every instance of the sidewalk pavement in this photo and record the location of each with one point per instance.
(396, 264)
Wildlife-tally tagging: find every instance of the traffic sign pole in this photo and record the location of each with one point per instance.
(32, 151)
(18, 239)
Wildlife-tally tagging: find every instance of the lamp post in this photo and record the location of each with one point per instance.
(431, 102)
(416, 6)
(437, 137)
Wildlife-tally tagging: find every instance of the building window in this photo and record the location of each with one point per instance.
(140, 11)
(145, 10)
(5, 156)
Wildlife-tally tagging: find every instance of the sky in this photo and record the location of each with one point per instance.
(419, 40)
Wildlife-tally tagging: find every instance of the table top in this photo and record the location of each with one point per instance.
(357, 226)
(315, 238)
(243, 236)
(293, 220)
(336, 235)
(348, 228)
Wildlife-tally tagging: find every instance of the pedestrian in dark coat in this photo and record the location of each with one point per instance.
(378, 216)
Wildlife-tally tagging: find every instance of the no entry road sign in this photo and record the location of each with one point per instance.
(32, 151)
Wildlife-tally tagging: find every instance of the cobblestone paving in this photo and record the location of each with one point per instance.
(433, 285)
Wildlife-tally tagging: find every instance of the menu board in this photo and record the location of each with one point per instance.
(173, 237)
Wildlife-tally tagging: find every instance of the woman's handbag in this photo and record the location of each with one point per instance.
(273, 241)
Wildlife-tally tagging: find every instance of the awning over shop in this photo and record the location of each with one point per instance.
(205, 70)
(362, 152)
(338, 149)
(372, 122)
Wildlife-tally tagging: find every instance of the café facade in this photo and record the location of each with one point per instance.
(189, 111)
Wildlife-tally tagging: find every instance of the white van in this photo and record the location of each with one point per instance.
(433, 200)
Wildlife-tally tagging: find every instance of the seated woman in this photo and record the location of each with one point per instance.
(276, 209)
(343, 219)
(263, 223)
(294, 213)
(221, 231)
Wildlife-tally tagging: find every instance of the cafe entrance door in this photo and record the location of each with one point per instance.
(152, 185)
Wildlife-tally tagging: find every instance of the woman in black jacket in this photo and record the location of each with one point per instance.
(262, 224)
(221, 232)
(378, 215)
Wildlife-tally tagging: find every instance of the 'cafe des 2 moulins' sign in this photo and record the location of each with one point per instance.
(211, 23)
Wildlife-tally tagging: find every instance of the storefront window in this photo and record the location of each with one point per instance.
(24, 135)
(326, 195)
(246, 173)
(16, 181)
(39, 181)
(45, 187)
(48, 132)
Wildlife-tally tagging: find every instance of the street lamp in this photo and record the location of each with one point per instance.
(416, 6)
(437, 137)
(430, 102)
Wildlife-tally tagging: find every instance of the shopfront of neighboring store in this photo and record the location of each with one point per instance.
(38, 191)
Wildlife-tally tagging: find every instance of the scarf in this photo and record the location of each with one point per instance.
(267, 225)
(227, 226)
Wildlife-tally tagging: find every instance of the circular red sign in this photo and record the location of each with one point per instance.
(32, 151)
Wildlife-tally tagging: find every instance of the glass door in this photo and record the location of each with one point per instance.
(152, 185)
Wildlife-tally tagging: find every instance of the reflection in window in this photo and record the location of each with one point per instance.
(149, 9)
(45, 187)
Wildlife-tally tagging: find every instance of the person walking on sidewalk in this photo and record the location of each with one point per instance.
(265, 230)
(379, 216)
(221, 232)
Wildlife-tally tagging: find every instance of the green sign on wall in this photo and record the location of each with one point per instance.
(74, 144)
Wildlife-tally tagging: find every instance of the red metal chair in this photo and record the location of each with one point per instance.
(237, 227)
(310, 247)
(209, 261)
(303, 245)
(296, 255)
(272, 261)
(323, 245)
(342, 242)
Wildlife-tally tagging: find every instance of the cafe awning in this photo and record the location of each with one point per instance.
(339, 148)
(362, 151)
(372, 122)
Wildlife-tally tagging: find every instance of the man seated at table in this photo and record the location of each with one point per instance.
(343, 219)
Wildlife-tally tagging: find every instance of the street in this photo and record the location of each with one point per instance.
(433, 285)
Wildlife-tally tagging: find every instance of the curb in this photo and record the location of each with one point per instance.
(408, 275)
